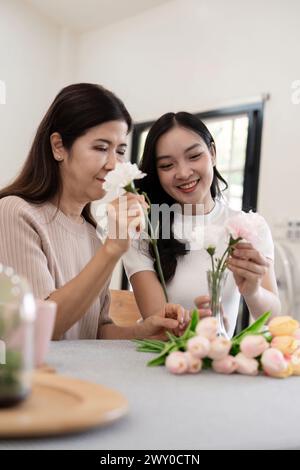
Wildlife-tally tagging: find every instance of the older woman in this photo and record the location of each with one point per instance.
(47, 231)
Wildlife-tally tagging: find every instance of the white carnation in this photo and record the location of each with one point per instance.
(123, 175)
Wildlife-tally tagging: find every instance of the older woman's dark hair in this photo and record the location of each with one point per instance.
(171, 249)
(75, 110)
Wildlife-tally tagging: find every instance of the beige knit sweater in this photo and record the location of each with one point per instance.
(49, 252)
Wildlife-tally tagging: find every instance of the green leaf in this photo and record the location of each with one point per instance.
(158, 361)
(192, 325)
(147, 350)
(161, 358)
(152, 345)
(171, 337)
(255, 328)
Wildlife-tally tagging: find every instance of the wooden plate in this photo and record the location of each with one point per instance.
(60, 404)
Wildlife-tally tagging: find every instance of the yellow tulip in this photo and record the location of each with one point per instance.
(284, 373)
(295, 362)
(283, 326)
(285, 344)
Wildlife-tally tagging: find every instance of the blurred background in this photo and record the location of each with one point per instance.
(234, 63)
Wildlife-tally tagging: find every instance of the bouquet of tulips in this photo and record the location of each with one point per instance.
(274, 350)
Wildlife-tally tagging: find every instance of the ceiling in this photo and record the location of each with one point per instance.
(85, 15)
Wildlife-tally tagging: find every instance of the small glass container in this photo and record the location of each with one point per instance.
(17, 315)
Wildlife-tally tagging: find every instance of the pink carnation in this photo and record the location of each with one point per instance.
(249, 227)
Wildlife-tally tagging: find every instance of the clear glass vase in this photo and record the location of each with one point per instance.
(216, 282)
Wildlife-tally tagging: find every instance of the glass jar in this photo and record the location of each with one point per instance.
(17, 315)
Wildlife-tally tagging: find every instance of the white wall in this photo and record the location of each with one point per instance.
(199, 54)
(36, 59)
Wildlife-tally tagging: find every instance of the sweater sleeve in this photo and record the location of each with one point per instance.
(21, 247)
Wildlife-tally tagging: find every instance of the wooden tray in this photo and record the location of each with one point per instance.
(59, 405)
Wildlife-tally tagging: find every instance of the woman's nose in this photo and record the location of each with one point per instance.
(184, 172)
(111, 161)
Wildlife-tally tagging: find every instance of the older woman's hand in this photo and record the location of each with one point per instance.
(203, 305)
(125, 216)
(177, 312)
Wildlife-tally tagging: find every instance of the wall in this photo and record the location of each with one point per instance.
(36, 59)
(198, 55)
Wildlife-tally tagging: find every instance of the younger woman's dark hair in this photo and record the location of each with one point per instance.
(75, 110)
(171, 249)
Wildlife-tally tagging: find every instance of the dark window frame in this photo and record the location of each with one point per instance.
(255, 113)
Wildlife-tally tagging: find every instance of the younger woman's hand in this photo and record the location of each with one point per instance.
(249, 267)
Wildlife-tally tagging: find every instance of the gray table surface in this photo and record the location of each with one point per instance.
(203, 411)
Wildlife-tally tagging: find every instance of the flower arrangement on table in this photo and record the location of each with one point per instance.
(274, 350)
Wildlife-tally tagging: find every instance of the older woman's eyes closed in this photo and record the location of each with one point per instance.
(105, 149)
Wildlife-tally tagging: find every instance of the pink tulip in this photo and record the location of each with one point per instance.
(207, 327)
(219, 348)
(194, 363)
(227, 365)
(274, 363)
(246, 365)
(253, 345)
(176, 363)
(198, 346)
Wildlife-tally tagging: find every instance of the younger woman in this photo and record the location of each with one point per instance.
(180, 162)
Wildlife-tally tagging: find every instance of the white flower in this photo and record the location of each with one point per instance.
(123, 175)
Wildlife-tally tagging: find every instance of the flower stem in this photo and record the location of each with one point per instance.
(159, 268)
(131, 188)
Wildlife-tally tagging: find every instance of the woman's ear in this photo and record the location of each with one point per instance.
(57, 146)
(213, 153)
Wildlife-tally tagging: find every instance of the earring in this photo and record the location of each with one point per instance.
(58, 157)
